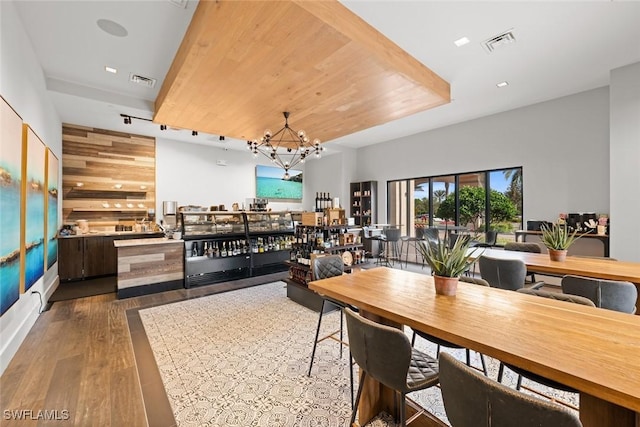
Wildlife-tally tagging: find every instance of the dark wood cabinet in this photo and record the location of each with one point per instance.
(70, 262)
(90, 256)
(110, 255)
(93, 257)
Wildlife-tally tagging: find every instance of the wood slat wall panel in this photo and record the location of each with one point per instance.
(100, 159)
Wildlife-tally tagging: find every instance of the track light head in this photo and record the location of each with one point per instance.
(163, 127)
(221, 138)
(127, 120)
(194, 133)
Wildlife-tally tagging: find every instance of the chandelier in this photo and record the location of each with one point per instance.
(286, 148)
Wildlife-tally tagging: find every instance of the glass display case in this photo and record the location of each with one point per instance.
(198, 225)
(269, 222)
(271, 238)
(221, 246)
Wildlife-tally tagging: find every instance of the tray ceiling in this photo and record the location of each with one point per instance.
(241, 64)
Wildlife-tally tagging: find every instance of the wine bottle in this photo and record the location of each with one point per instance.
(317, 202)
(223, 252)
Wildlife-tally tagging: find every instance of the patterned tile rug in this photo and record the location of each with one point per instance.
(240, 358)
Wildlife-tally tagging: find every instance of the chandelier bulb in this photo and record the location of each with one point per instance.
(267, 133)
(316, 142)
(301, 133)
(286, 176)
(305, 139)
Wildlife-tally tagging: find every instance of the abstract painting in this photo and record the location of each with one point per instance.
(33, 194)
(10, 188)
(51, 248)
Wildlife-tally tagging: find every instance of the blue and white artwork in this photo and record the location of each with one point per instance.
(270, 183)
(34, 218)
(52, 209)
(10, 190)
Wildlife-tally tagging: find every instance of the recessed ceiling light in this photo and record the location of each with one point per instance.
(110, 69)
(79, 184)
(502, 84)
(111, 27)
(117, 186)
(461, 41)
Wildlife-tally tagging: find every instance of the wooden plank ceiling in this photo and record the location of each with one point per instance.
(242, 63)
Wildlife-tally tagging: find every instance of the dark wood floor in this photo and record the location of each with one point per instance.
(78, 358)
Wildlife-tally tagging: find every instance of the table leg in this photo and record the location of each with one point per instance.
(595, 412)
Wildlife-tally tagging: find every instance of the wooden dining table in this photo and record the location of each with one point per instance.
(599, 268)
(593, 350)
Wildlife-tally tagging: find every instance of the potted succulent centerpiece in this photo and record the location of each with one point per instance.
(557, 238)
(447, 261)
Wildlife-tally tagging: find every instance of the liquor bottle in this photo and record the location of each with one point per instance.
(194, 249)
(317, 201)
(224, 252)
(216, 250)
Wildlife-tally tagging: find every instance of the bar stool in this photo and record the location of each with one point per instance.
(390, 247)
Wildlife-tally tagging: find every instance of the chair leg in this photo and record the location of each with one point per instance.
(341, 329)
(500, 372)
(484, 365)
(403, 411)
(357, 402)
(315, 342)
(519, 383)
(468, 352)
(351, 379)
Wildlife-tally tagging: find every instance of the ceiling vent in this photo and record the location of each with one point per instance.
(179, 3)
(142, 80)
(499, 41)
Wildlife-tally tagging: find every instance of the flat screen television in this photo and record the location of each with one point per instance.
(270, 183)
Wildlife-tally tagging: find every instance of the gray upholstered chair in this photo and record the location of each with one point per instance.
(385, 354)
(524, 247)
(390, 247)
(323, 268)
(505, 273)
(443, 343)
(472, 400)
(530, 375)
(609, 294)
(490, 239)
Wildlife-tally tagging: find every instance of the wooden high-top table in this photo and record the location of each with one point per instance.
(593, 350)
(599, 268)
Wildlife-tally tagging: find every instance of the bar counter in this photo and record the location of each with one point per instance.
(149, 265)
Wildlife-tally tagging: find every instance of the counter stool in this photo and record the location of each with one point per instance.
(406, 242)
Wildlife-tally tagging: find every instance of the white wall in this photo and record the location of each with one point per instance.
(188, 174)
(625, 162)
(562, 146)
(22, 84)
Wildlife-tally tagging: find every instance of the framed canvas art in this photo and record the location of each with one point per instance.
(10, 189)
(270, 183)
(33, 202)
(51, 229)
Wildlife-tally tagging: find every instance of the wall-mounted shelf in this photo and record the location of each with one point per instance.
(109, 209)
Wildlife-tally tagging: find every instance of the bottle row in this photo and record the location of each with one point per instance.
(303, 255)
(363, 193)
(323, 201)
(321, 237)
(364, 213)
(227, 248)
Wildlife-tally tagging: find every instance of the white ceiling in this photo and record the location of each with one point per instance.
(561, 48)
